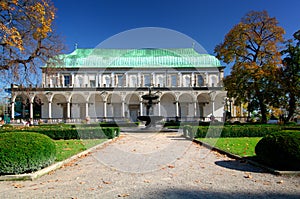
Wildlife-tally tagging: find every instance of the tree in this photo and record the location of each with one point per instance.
(289, 77)
(27, 37)
(252, 47)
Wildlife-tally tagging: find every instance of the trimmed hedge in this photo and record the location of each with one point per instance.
(81, 133)
(280, 150)
(25, 152)
(70, 132)
(229, 131)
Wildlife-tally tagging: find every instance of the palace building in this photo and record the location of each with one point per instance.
(108, 84)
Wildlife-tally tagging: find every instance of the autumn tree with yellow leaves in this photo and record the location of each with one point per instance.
(252, 46)
(27, 37)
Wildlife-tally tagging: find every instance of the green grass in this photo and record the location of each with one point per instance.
(68, 148)
(242, 146)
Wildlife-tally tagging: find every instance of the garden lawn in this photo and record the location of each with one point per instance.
(68, 148)
(242, 146)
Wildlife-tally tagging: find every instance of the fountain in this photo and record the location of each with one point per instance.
(150, 119)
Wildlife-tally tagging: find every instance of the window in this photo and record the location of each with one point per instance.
(107, 81)
(200, 80)
(80, 81)
(160, 81)
(213, 80)
(173, 80)
(147, 80)
(120, 80)
(53, 81)
(92, 83)
(133, 81)
(187, 81)
(66, 80)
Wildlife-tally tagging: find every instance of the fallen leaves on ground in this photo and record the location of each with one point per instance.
(106, 182)
(280, 182)
(124, 195)
(266, 183)
(17, 185)
(248, 175)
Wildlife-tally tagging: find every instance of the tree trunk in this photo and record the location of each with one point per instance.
(291, 108)
(262, 105)
(263, 110)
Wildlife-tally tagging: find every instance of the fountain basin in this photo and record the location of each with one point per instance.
(150, 120)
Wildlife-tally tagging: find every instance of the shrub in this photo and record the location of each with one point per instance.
(231, 131)
(280, 150)
(25, 152)
(79, 133)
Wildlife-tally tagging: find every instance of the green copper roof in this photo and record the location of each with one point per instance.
(150, 57)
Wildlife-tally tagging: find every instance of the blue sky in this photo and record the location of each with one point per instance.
(90, 22)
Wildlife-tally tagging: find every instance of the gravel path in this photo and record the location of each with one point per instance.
(161, 165)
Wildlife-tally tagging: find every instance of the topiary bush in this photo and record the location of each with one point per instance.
(280, 150)
(25, 152)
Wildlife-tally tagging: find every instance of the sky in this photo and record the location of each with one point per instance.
(91, 23)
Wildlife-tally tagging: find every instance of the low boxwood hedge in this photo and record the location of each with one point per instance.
(80, 133)
(280, 150)
(67, 132)
(229, 131)
(25, 152)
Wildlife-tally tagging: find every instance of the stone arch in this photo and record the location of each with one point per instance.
(96, 106)
(78, 106)
(59, 106)
(40, 106)
(186, 106)
(21, 106)
(133, 106)
(213, 80)
(219, 105)
(168, 105)
(204, 106)
(114, 106)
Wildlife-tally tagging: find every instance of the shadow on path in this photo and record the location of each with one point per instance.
(239, 165)
(196, 194)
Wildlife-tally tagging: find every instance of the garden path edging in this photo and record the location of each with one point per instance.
(271, 170)
(53, 167)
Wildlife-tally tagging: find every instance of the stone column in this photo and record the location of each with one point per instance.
(31, 111)
(100, 80)
(12, 110)
(153, 79)
(177, 108)
(126, 80)
(73, 81)
(97, 80)
(180, 79)
(213, 107)
(112, 80)
(158, 105)
(123, 108)
(195, 109)
(50, 110)
(141, 108)
(105, 109)
(68, 110)
(193, 79)
(86, 109)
